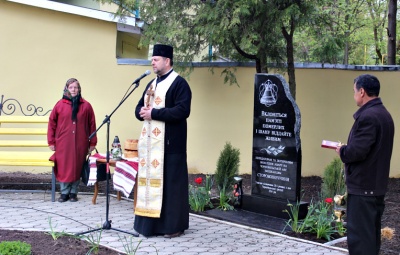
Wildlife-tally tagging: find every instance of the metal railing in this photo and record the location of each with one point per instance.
(10, 105)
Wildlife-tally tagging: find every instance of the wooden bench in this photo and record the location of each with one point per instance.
(23, 142)
(21, 128)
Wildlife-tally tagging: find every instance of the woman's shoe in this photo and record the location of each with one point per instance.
(73, 197)
(63, 198)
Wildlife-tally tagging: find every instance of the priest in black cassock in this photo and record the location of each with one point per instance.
(162, 199)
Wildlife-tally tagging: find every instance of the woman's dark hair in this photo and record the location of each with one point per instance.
(369, 83)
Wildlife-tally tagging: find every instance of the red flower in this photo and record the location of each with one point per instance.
(329, 200)
(198, 180)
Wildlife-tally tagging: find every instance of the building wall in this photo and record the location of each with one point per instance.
(40, 49)
(127, 46)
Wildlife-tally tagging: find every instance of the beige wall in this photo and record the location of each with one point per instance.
(325, 98)
(41, 49)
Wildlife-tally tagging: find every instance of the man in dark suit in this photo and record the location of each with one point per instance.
(367, 164)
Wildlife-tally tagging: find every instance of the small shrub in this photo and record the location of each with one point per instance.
(15, 248)
(333, 179)
(227, 169)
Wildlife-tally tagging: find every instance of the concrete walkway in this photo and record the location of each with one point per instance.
(32, 211)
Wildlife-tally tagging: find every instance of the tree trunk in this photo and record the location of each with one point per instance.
(346, 45)
(346, 53)
(377, 49)
(391, 32)
(376, 29)
(290, 67)
(261, 66)
(290, 58)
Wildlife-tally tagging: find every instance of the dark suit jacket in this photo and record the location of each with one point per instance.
(368, 151)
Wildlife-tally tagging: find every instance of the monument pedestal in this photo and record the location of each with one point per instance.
(271, 207)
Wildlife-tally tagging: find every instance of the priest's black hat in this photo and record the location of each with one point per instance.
(163, 51)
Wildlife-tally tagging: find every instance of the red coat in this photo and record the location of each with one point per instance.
(70, 138)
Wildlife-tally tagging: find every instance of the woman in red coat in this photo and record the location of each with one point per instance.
(71, 122)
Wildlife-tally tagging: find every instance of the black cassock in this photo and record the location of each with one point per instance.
(175, 203)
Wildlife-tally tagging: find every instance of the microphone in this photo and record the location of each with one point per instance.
(141, 77)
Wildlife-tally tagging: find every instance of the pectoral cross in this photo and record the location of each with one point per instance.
(149, 93)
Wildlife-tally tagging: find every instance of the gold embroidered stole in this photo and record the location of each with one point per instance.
(151, 154)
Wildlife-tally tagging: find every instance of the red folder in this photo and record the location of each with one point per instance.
(329, 144)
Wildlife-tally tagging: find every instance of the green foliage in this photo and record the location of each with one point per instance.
(130, 247)
(125, 7)
(326, 31)
(225, 199)
(227, 169)
(94, 239)
(238, 30)
(200, 196)
(333, 179)
(297, 225)
(343, 32)
(294, 223)
(320, 220)
(323, 220)
(15, 248)
(54, 234)
(340, 228)
(329, 49)
(209, 183)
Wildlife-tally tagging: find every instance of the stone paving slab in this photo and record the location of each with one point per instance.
(34, 211)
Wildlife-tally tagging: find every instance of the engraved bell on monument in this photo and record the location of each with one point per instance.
(268, 93)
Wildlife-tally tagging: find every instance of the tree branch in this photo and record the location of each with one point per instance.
(241, 52)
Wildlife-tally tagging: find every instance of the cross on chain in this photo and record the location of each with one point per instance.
(149, 93)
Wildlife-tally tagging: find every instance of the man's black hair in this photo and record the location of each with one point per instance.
(369, 83)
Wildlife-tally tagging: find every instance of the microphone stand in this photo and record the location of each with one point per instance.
(107, 223)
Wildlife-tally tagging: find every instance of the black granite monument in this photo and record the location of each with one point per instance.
(276, 157)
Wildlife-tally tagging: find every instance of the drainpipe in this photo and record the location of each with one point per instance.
(210, 52)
